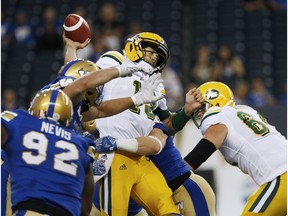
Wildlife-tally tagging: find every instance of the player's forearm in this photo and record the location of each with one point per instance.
(148, 145)
(114, 106)
(70, 53)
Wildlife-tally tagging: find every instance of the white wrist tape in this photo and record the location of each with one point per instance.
(130, 145)
(133, 99)
(161, 146)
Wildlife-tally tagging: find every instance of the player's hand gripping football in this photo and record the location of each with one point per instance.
(127, 68)
(147, 92)
(75, 45)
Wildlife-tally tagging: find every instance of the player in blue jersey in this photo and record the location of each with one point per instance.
(5, 186)
(49, 165)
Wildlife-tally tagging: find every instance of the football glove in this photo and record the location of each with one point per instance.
(127, 68)
(105, 144)
(147, 91)
(99, 167)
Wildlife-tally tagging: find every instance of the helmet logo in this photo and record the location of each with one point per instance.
(212, 94)
(82, 72)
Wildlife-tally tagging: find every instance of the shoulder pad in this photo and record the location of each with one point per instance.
(211, 111)
(110, 59)
(8, 115)
(242, 107)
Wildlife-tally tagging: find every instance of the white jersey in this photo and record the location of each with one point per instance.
(131, 123)
(256, 147)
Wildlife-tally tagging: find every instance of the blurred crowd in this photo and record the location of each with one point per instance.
(109, 34)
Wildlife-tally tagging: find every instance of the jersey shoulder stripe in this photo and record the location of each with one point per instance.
(210, 112)
(117, 56)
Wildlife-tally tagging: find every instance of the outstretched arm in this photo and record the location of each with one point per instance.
(176, 121)
(211, 141)
(71, 48)
(146, 145)
(115, 106)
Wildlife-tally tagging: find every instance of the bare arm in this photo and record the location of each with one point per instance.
(150, 146)
(72, 47)
(177, 121)
(76, 89)
(4, 136)
(108, 108)
(211, 141)
(88, 193)
(216, 134)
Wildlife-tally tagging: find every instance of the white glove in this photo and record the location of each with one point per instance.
(127, 68)
(162, 104)
(147, 91)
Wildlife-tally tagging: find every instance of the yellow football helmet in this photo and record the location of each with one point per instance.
(215, 94)
(52, 104)
(134, 48)
(78, 68)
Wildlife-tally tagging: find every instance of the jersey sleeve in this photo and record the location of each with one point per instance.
(10, 121)
(7, 117)
(211, 117)
(110, 59)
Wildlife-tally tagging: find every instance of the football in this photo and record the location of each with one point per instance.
(76, 28)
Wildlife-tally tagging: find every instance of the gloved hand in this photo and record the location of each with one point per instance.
(147, 91)
(105, 144)
(98, 167)
(127, 68)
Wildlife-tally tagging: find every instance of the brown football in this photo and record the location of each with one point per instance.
(76, 28)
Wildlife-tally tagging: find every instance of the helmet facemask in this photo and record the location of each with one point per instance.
(198, 114)
(135, 49)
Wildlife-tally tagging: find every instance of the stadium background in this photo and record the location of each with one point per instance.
(255, 30)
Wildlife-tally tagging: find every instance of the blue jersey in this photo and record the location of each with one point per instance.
(169, 161)
(46, 161)
(4, 184)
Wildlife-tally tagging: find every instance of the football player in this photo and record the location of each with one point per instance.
(51, 171)
(247, 141)
(138, 122)
(5, 186)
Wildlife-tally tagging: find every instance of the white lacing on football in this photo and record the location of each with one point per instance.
(76, 26)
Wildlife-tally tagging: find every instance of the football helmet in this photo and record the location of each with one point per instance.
(134, 48)
(78, 68)
(52, 104)
(215, 94)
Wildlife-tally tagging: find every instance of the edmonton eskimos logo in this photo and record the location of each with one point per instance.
(212, 94)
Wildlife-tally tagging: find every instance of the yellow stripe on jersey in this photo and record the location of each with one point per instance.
(114, 55)
(210, 112)
(8, 115)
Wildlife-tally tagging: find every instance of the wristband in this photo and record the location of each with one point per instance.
(161, 146)
(179, 119)
(162, 114)
(202, 151)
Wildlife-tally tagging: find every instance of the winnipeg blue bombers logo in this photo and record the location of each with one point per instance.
(212, 94)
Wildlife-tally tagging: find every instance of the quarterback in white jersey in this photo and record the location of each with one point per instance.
(131, 174)
(246, 140)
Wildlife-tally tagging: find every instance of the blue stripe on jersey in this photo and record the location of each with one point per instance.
(66, 67)
(197, 196)
(53, 98)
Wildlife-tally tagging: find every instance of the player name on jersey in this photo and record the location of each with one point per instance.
(46, 127)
